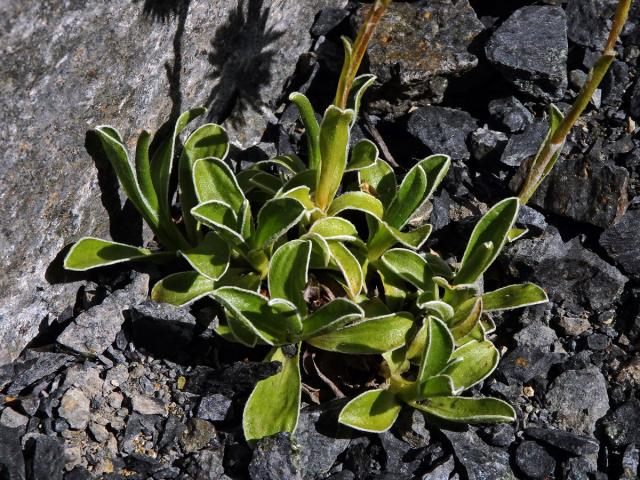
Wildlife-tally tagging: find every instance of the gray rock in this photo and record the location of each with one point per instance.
(214, 407)
(574, 326)
(409, 52)
(198, 435)
(524, 146)
(46, 459)
(589, 22)
(530, 50)
(579, 468)
(206, 464)
(12, 419)
(441, 472)
(73, 65)
(532, 219)
(634, 105)
(93, 331)
(74, 408)
(534, 461)
(12, 465)
(147, 405)
(630, 463)
(273, 457)
(138, 426)
(622, 426)
(567, 441)
(621, 240)
(99, 432)
(525, 363)
(480, 461)
(511, 113)
(486, 144)
(578, 399)
(443, 130)
(536, 335)
(573, 276)
(30, 368)
(328, 19)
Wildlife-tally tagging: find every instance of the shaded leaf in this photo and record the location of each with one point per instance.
(438, 386)
(275, 218)
(348, 264)
(409, 197)
(466, 317)
(363, 154)
(438, 349)
(359, 86)
(308, 117)
(409, 266)
(331, 316)
(220, 218)
(379, 180)
(210, 258)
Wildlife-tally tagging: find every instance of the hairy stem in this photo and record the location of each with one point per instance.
(543, 161)
(359, 48)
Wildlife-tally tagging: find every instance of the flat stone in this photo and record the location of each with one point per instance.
(74, 408)
(574, 326)
(30, 368)
(620, 240)
(12, 419)
(94, 330)
(479, 460)
(214, 408)
(273, 457)
(147, 405)
(73, 65)
(589, 22)
(530, 50)
(534, 461)
(511, 113)
(12, 464)
(46, 459)
(567, 441)
(443, 130)
(577, 399)
(524, 146)
(622, 426)
(442, 471)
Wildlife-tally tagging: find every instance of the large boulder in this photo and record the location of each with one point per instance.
(69, 66)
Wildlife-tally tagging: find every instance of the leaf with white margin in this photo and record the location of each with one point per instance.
(288, 272)
(439, 346)
(479, 360)
(350, 267)
(363, 155)
(358, 201)
(514, 296)
(378, 180)
(372, 411)
(331, 316)
(182, 288)
(214, 180)
(334, 228)
(90, 252)
(312, 129)
(468, 410)
(219, 217)
(275, 218)
(210, 257)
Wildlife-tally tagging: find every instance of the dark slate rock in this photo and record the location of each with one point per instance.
(487, 144)
(573, 276)
(567, 441)
(198, 435)
(206, 464)
(589, 22)
(534, 461)
(587, 188)
(530, 50)
(94, 330)
(532, 219)
(615, 84)
(273, 457)
(230, 58)
(622, 426)
(577, 399)
(525, 363)
(621, 240)
(399, 457)
(524, 146)
(137, 424)
(141, 464)
(630, 463)
(597, 342)
(237, 378)
(78, 473)
(214, 407)
(328, 19)
(501, 435)
(479, 460)
(173, 428)
(321, 439)
(511, 113)
(32, 367)
(443, 130)
(579, 468)
(12, 465)
(634, 105)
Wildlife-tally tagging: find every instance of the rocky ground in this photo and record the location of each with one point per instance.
(119, 387)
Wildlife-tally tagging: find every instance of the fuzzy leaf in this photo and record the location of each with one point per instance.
(143, 170)
(408, 199)
(207, 141)
(359, 86)
(320, 252)
(436, 168)
(90, 252)
(305, 178)
(440, 309)
(479, 360)
(515, 233)
(276, 322)
(438, 386)
(358, 201)
(288, 272)
(210, 258)
(182, 288)
(291, 163)
(409, 266)
(334, 144)
(331, 316)
(438, 349)
(301, 194)
(468, 410)
(372, 335)
(214, 180)
(372, 411)
(466, 317)
(274, 404)
(378, 180)
(363, 155)
(241, 278)
(312, 129)
(492, 229)
(275, 218)
(219, 217)
(514, 296)
(334, 228)
(348, 264)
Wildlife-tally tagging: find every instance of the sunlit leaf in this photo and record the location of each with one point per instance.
(372, 411)
(468, 410)
(90, 252)
(437, 351)
(358, 201)
(363, 155)
(182, 288)
(479, 360)
(379, 180)
(288, 272)
(210, 258)
(514, 296)
(311, 126)
(275, 218)
(466, 317)
(214, 180)
(331, 316)
(334, 228)
(348, 264)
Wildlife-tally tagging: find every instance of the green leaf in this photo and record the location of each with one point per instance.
(348, 264)
(241, 278)
(372, 335)
(409, 266)
(379, 180)
(288, 272)
(305, 178)
(210, 258)
(301, 194)
(312, 129)
(90, 252)
(515, 233)
(276, 321)
(372, 411)
(207, 141)
(182, 288)
(320, 252)
(219, 217)
(514, 296)
(438, 349)
(275, 218)
(466, 317)
(334, 228)
(436, 168)
(363, 155)
(143, 170)
(265, 182)
(359, 86)
(438, 386)
(555, 119)
(214, 180)
(479, 360)
(334, 144)
(440, 309)
(274, 404)
(331, 316)
(493, 229)
(408, 199)
(290, 162)
(468, 410)
(358, 201)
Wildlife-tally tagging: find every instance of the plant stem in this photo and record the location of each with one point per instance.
(553, 145)
(359, 48)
